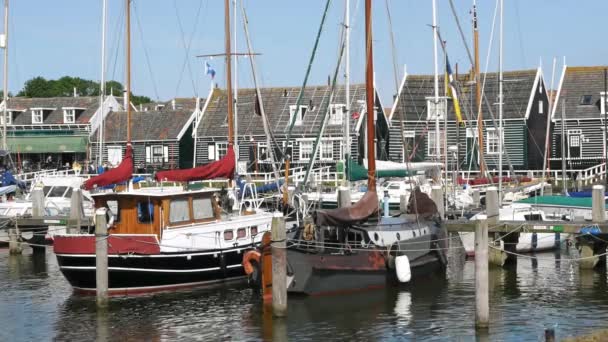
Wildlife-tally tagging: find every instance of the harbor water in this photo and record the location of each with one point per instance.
(37, 304)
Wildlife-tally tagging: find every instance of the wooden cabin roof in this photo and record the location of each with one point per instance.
(145, 126)
(22, 108)
(518, 86)
(156, 192)
(277, 102)
(581, 88)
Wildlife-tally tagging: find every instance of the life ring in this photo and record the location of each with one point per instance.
(248, 259)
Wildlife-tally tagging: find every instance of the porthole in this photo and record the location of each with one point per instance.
(375, 236)
(228, 235)
(241, 233)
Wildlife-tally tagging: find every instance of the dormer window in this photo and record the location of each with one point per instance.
(69, 115)
(37, 116)
(436, 110)
(299, 115)
(586, 100)
(336, 113)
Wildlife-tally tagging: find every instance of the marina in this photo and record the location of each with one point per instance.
(467, 205)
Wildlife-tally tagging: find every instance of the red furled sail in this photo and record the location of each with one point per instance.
(223, 168)
(119, 174)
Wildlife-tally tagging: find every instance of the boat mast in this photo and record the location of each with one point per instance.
(436, 81)
(500, 104)
(369, 92)
(563, 142)
(229, 74)
(5, 81)
(346, 149)
(128, 69)
(102, 91)
(236, 88)
(478, 90)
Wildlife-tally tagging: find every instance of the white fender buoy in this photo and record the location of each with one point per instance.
(402, 268)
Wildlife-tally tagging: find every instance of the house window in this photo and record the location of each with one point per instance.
(114, 155)
(289, 149)
(211, 151)
(37, 116)
(575, 141)
(306, 149)
(299, 115)
(263, 151)
(9, 118)
(69, 116)
(336, 113)
(432, 148)
(540, 107)
(145, 212)
(221, 149)
(157, 154)
(436, 108)
(493, 141)
(603, 102)
(327, 150)
(586, 100)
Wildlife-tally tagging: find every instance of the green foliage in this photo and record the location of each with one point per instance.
(64, 87)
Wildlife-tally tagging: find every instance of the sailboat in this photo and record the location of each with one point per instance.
(165, 238)
(354, 248)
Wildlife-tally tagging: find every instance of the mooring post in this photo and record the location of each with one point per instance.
(496, 256)
(14, 246)
(279, 266)
(343, 197)
(476, 198)
(403, 203)
(101, 257)
(437, 196)
(589, 248)
(76, 212)
(37, 197)
(548, 189)
(482, 291)
(598, 209)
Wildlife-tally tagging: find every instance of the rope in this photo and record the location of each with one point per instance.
(143, 43)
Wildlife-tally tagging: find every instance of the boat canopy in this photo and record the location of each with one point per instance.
(357, 172)
(223, 168)
(360, 211)
(119, 174)
(562, 201)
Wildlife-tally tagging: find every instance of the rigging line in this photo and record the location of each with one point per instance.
(118, 40)
(520, 36)
(186, 47)
(143, 43)
(466, 46)
(393, 48)
(309, 67)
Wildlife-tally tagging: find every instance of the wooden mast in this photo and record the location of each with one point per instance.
(229, 74)
(369, 94)
(128, 67)
(478, 92)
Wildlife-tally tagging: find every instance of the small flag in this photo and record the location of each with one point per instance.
(451, 87)
(209, 70)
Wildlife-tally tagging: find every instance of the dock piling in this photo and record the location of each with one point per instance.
(76, 212)
(476, 198)
(598, 210)
(101, 257)
(14, 246)
(496, 256)
(482, 291)
(437, 196)
(279, 266)
(37, 197)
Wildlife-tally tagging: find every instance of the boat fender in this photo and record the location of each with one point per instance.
(309, 231)
(248, 259)
(402, 268)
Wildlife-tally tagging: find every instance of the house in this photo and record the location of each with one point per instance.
(524, 121)
(580, 108)
(161, 139)
(50, 132)
(280, 107)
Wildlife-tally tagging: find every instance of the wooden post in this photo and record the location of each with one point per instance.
(14, 246)
(482, 291)
(403, 203)
(76, 212)
(437, 196)
(344, 197)
(548, 190)
(476, 198)
(37, 197)
(101, 257)
(598, 208)
(279, 266)
(496, 256)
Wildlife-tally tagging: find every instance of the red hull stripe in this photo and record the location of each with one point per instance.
(117, 244)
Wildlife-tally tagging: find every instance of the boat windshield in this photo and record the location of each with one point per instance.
(57, 191)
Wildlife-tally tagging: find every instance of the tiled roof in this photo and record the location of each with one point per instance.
(276, 106)
(580, 82)
(151, 125)
(23, 106)
(517, 87)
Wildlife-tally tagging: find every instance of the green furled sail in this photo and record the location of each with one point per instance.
(357, 172)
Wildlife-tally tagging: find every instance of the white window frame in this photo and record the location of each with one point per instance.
(309, 148)
(409, 134)
(430, 147)
(221, 149)
(492, 141)
(326, 150)
(441, 108)
(603, 103)
(541, 107)
(300, 117)
(211, 152)
(157, 154)
(262, 148)
(336, 113)
(114, 155)
(37, 116)
(69, 115)
(9, 117)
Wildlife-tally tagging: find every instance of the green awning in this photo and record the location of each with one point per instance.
(561, 201)
(47, 144)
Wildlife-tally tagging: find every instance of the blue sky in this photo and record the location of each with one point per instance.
(63, 37)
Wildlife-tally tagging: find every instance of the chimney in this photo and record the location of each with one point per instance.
(173, 104)
(124, 99)
(456, 71)
(198, 103)
(75, 92)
